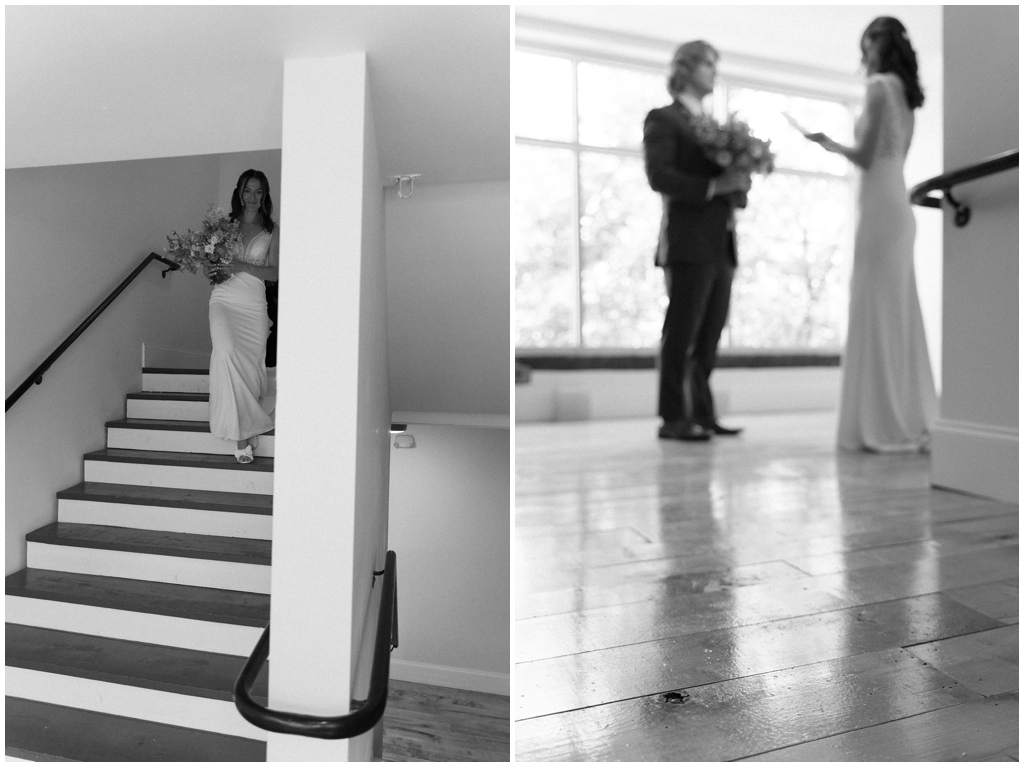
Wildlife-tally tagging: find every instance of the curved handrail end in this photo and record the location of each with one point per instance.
(364, 714)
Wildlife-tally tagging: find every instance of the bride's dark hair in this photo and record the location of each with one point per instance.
(896, 55)
(266, 206)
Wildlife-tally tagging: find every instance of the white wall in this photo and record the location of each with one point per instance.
(584, 395)
(448, 337)
(448, 297)
(976, 445)
(72, 234)
(450, 527)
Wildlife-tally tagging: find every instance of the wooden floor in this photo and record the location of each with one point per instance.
(423, 723)
(762, 597)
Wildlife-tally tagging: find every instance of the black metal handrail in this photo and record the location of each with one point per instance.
(921, 194)
(364, 714)
(36, 376)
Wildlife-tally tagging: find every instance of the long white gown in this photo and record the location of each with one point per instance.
(888, 401)
(239, 326)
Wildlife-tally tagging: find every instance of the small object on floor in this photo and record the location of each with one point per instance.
(688, 432)
(245, 455)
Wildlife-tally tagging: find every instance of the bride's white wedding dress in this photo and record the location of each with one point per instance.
(239, 326)
(888, 401)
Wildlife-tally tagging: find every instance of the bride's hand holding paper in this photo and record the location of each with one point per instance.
(818, 138)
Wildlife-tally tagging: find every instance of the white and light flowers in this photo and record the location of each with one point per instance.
(214, 243)
(732, 145)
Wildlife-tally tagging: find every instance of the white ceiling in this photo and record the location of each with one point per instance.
(100, 83)
(819, 36)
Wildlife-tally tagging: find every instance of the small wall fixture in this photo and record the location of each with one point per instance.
(401, 181)
(404, 440)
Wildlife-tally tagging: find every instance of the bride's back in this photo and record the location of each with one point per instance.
(897, 120)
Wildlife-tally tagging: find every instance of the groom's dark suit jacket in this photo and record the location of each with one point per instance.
(697, 228)
(699, 249)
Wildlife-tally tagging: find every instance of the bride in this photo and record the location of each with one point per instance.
(239, 325)
(888, 400)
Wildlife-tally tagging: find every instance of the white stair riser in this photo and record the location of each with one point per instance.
(186, 571)
(180, 441)
(167, 519)
(175, 382)
(187, 633)
(168, 410)
(183, 477)
(135, 702)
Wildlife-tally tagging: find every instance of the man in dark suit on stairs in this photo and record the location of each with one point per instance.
(696, 247)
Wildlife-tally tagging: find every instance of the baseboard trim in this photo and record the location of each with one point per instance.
(456, 678)
(481, 420)
(976, 458)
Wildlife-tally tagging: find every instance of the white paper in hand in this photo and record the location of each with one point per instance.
(792, 121)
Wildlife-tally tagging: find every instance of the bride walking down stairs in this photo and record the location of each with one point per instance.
(139, 606)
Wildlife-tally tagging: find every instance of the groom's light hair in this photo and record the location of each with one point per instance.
(687, 57)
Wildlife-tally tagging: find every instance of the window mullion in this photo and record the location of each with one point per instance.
(577, 261)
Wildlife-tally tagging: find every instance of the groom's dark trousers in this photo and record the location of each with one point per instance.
(697, 248)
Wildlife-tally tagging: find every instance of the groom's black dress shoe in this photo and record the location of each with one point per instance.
(724, 431)
(689, 432)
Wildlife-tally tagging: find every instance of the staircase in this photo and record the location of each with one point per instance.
(126, 631)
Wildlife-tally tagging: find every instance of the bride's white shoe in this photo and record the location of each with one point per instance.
(244, 455)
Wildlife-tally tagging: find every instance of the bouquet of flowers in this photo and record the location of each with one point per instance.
(213, 243)
(732, 145)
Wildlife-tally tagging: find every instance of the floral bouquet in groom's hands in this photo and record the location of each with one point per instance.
(212, 244)
(732, 145)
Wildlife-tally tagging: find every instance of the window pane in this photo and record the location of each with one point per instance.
(789, 290)
(623, 292)
(545, 280)
(613, 103)
(763, 111)
(543, 97)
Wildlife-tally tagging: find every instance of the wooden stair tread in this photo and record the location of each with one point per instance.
(177, 371)
(238, 608)
(137, 664)
(193, 460)
(47, 732)
(214, 547)
(165, 425)
(183, 498)
(172, 395)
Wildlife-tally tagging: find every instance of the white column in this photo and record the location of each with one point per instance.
(318, 365)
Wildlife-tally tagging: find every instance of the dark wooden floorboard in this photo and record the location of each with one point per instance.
(236, 607)
(216, 547)
(425, 723)
(148, 495)
(761, 597)
(155, 667)
(44, 732)
(185, 460)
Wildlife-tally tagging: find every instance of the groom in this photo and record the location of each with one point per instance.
(696, 247)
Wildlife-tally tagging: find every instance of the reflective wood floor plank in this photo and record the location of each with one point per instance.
(744, 578)
(986, 662)
(728, 720)
(425, 723)
(981, 730)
